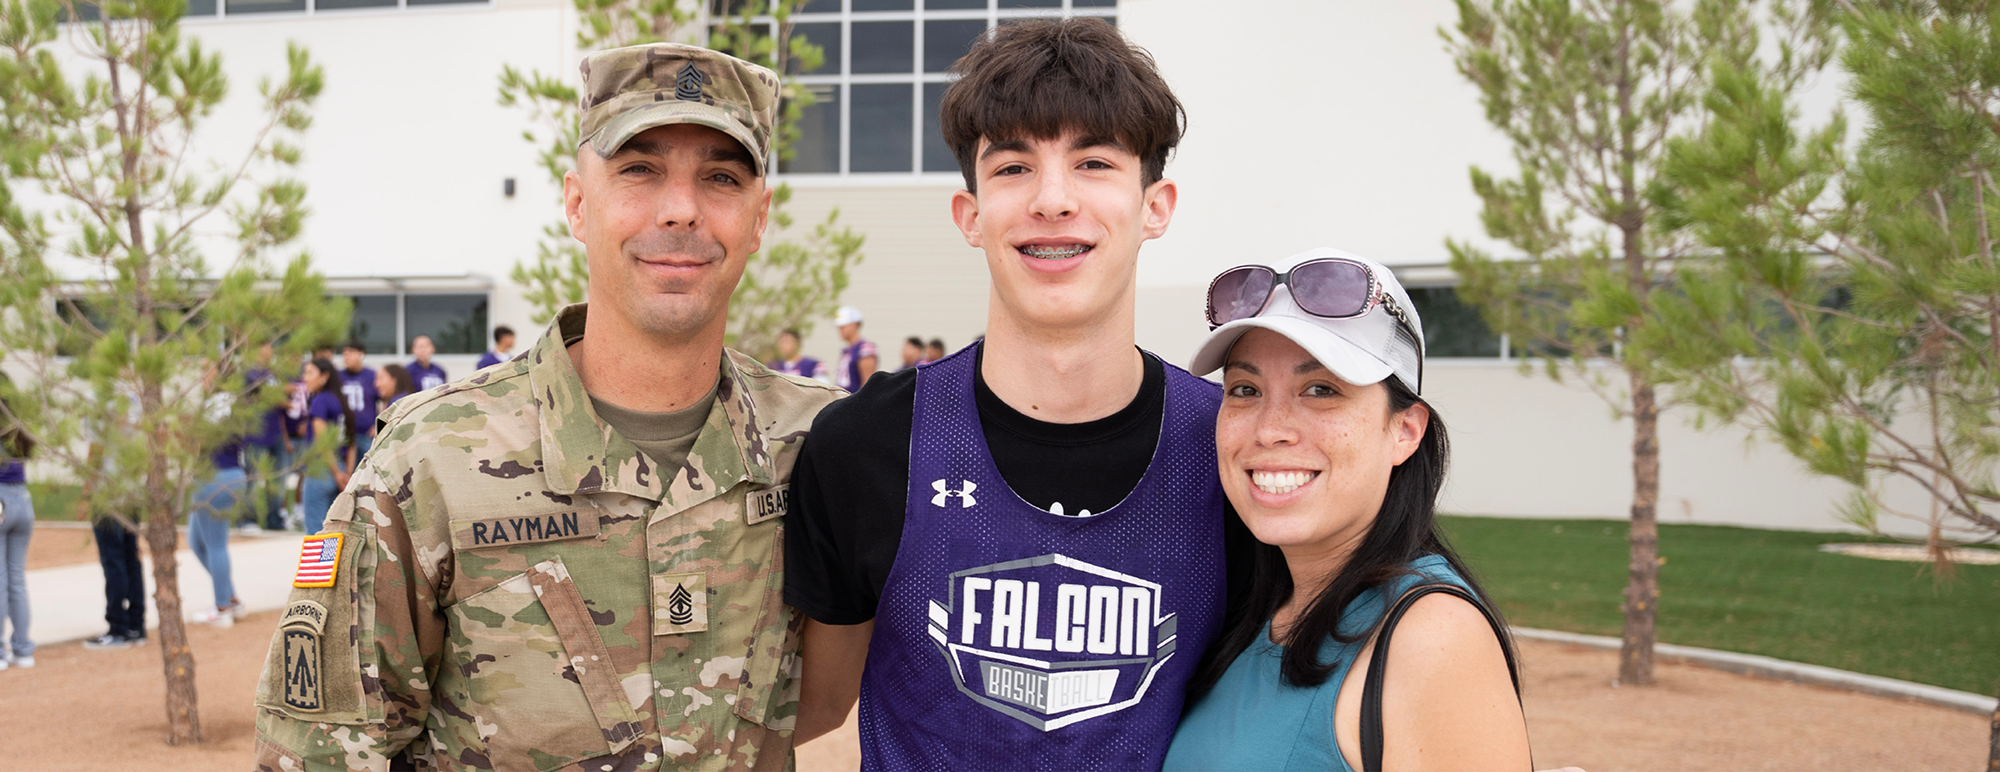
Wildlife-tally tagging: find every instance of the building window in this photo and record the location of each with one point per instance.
(387, 322)
(374, 323)
(878, 90)
(1452, 328)
(456, 324)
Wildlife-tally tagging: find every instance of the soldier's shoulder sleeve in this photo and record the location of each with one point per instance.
(787, 402)
(346, 681)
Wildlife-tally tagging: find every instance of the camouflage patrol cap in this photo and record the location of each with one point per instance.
(632, 89)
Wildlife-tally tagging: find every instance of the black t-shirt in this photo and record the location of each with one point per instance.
(851, 483)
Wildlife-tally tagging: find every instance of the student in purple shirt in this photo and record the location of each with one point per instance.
(503, 347)
(858, 361)
(790, 361)
(393, 383)
(325, 469)
(266, 453)
(357, 386)
(213, 506)
(427, 374)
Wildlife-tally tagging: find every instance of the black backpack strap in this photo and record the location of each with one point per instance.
(1378, 662)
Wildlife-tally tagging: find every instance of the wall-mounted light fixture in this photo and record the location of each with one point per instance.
(508, 187)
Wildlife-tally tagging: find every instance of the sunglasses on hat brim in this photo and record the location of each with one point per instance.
(1326, 287)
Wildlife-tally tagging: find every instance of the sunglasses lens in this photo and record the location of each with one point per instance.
(1335, 288)
(1239, 293)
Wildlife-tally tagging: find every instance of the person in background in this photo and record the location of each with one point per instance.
(356, 385)
(214, 505)
(325, 470)
(392, 382)
(426, 374)
(265, 451)
(913, 352)
(858, 360)
(503, 347)
(1334, 460)
(934, 351)
(791, 362)
(297, 397)
(17, 525)
(118, 556)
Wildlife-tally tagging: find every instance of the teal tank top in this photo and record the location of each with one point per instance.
(1253, 720)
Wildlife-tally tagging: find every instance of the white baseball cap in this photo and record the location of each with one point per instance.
(1362, 350)
(846, 315)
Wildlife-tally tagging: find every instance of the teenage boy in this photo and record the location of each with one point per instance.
(357, 386)
(858, 359)
(1024, 541)
(503, 347)
(913, 352)
(427, 374)
(790, 361)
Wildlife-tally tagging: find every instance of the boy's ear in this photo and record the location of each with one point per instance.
(965, 214)
(1161, 197)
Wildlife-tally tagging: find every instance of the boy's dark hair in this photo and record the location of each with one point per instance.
(792, 331)
(914, 341)
(502, 331)
(937, 342)
(1043, 78)
(356, 345)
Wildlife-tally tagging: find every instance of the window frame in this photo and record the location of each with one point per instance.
(843, 80)
(222, 14)
(402, 298)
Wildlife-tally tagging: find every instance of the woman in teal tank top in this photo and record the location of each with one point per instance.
(1334, 461)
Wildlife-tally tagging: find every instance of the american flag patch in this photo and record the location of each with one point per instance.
(319, 559)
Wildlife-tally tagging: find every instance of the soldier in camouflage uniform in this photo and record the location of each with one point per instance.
(511, 583)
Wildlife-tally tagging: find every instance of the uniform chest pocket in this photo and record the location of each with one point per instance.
(532, 680)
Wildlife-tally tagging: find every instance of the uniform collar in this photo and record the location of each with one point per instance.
(584, 455)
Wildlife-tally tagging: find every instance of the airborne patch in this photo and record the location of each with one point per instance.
(767, 504)
(680, 603)
(300, 629)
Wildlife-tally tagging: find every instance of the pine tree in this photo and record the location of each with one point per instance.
(120, 328)
(1846, 302)
(793, 282)
(1588, 92)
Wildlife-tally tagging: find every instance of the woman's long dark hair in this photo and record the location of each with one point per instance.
(1405, 529)
(405, 385)
(333, 382)
(15, 444)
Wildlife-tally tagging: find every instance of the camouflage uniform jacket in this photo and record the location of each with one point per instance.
(514, 586)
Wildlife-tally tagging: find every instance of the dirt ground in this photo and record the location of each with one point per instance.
(102, 710)
(60, 545)
(67, 545)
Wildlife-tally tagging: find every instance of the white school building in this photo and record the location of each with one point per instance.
(1311, 123)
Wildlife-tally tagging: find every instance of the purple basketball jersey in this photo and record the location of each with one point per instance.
(1010, 637)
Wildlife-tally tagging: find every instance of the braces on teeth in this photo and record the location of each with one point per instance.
(1054, 253)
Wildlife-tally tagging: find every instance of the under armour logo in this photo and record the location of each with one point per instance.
(688, 83)
(964, 495)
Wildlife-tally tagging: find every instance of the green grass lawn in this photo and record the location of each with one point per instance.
(1749, 590)
(54, 501)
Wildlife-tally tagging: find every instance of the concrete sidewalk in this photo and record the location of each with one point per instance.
(68, 601)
